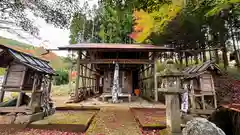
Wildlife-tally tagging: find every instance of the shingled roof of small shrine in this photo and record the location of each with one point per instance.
(30, 61)
(196, 70)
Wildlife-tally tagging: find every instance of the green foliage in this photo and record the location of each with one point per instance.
(220, 5)
(232, 71)
(60, 90)
(2, 71)
(161, 66)
(116, 22)
(85, 25)
(62, 77)
(57, 12)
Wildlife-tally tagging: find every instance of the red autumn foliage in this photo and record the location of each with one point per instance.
(228, 90)
(133, 35)
(73, 74)
(36, 51)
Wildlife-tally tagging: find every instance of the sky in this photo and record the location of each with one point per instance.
(51, 36)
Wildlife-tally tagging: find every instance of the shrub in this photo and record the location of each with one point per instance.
(62, 77)
(2, 71)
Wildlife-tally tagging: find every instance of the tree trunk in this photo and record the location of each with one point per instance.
(204, 56)
(196, 59)
(181, 58)
(201, 56)
(234, 46)
(216, 56)
(210, 54)
(186, 60)
(223, 45)
(225, 58)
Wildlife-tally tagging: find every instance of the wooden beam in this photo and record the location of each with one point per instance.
(146, 78)
(200, 111)
(15, 109)
(78, 72)
(155, 77)
(120, 61)
(89, 68)
(146, 68)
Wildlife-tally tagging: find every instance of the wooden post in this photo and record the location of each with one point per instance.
(214, 93)
(33, 90)
(2, 92)
(192, 96)
(85, 78)
(50, 86)
(173, 110)
(155, 78)
(78, 73)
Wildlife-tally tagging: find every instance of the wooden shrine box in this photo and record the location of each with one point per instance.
(19, 78)
(201, 78)
(25, 74)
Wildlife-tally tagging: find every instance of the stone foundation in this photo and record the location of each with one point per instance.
(23, 118)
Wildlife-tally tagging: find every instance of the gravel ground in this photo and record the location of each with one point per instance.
(114, 121)
(150, 117)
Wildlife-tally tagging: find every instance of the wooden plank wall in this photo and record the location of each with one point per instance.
(86, 80)
(126, 82)
(147, 78)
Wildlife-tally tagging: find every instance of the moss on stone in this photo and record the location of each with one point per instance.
(69, 117)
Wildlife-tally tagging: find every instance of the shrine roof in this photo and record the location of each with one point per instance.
(115, 46)
(197, 70)
(28, 60)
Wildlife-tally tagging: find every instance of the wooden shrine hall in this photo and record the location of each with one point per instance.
(95, 68)
(29, 76)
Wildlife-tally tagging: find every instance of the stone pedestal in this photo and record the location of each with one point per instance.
(173, 113)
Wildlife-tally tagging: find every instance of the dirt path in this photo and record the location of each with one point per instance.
(114, 121)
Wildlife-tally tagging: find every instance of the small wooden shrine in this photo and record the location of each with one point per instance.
(30, 77)
(137, 68)
(202, 87)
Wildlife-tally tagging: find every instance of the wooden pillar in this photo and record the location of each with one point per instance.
(192, 98)
(85, 78)
(33, 90)
(142, 81)
(49, 86)
(78, 73)
(2, 92)
(173, 110)
(155, 77)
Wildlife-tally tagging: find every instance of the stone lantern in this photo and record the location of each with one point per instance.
(171, 87)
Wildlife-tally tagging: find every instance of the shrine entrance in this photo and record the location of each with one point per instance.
(137, 68)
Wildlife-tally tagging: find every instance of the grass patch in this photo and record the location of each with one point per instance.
(69, 121)
(71, 117)
(68, 117)
(12, 96)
